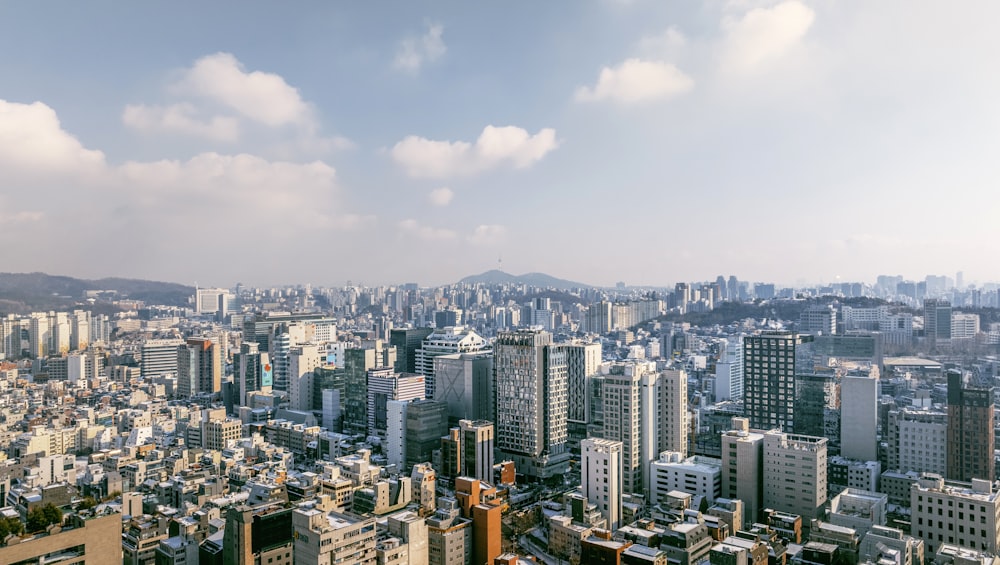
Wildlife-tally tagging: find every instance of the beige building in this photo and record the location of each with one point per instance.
(795, 474)
(88, 541)
(328, 537)
(743, 469)
(960, 514)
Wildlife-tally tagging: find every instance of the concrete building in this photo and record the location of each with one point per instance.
(199, 367)
(464, 381)
(82, 539)
(158, 357)
(961, 514)
(384, 385)
(916, 440)
(700, 476)
(743, 469)
(601, 469)
(357, 363)
(411, 529)
(890, 543)
(964, 326)
(323, 536)
(729, 371)
(795, 473)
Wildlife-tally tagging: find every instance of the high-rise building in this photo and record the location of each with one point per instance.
(251, 372)
(426, 422)
(584, 362)
(674, 421)
(259, 534)
(478, 441)
(601, 477)
(917, 440)
(407, 341)
(531, 377)
(623, 418)
(859, 417)
(444, 341)
(770, 362)
(937, 320)
(384, 385)
(970, 430)
(158, 357)
(795, 473)
(818, 320)
(357, 363)
(743, 469)
(972, 522)
(464, 381)
(729, 372)
(199, 367)
(302, 361)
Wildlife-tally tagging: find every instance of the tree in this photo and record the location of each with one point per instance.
(10, 526)
(41, 517)
(87, 503)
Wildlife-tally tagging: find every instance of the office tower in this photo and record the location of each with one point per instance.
(743, 469)
(426, 422)
(770, 362)
(972, 522)
(448, 318)
(814, 394)
(859, 417)
(10, 336)
(584, 362)
(407, 341)
(199, 367)
(674, 422)
(698, 476)
(729, 371)
(302, 361)
(357, 363)
(970, 430)
(384, 385)
(478, 440)
(444, 341)
(531, 404)
(937, 320)
(964, 326)
(795, 468)
(251, 372)
(601, 477)
(158, 357)
(464, 381)
(682, 296)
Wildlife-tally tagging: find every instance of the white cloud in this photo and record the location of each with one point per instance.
(180, 118)
(427, 233)
(488, 234)
(496, 146)
(441, 196)
(147, 209)
(665, 45)
(636, 80)
(413, 53)
(262, 97)
(32, 140)
(764, 34)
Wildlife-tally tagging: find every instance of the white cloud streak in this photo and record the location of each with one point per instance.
(495, 147)
(441, 196)
(180, 119)
(763, 35)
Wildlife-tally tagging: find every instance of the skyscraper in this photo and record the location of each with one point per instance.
(407, 341)
(859, 417)
(770, 362)
(729, 372)
(970, 430)
(252, 371)
(444, 341)
(937, 320)
(531, 402)
(478, 439)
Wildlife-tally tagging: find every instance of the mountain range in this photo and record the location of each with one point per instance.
(27, 292)
(542, 280)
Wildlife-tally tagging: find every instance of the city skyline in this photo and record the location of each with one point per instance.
(774, 140)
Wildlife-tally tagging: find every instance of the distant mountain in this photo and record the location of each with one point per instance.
(531, 279)
(26, 292)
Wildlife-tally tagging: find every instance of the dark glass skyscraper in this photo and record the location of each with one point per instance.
(770, 362)
(970, 430)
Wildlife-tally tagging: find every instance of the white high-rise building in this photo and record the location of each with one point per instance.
(384, 385)
(302, 361)
(700, 476)
(729, 371)
(601, 477)
(159, 357)
(859, 417)
(917, 440)
(961, 514)
(674, 420)
(964, 326)
(623, 418)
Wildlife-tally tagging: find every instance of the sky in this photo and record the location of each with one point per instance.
(599, 141)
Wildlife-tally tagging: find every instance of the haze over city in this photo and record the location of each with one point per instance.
(779, 141)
